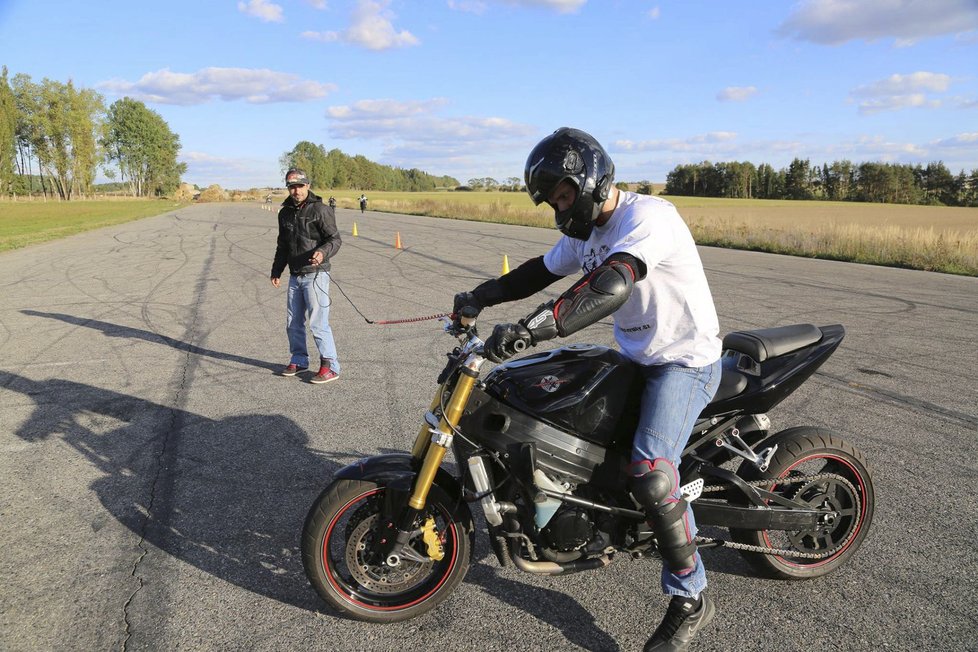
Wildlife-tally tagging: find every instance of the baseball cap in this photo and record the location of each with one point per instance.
(296, 177)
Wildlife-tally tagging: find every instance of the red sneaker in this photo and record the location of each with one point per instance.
(292, 370)
(325, 375)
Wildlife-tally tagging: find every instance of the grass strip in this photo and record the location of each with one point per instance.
(926, 238)
(26, 223)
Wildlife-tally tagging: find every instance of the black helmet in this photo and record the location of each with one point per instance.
(571, 155)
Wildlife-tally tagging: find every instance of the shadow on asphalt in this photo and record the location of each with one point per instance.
(230, 496)
(115, 330)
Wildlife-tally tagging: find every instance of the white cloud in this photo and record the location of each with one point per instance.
(876, 148)
(653, 159)
(317, 4)
(966, 140)
(227, 172)
(958, 152)
(470, 6)
(897, 84)
(255, 86)
(711, 142)
(897, 102)
(370, 27)
(384, 109)
(562, 6)
(478, 6)
(654, 13)
(414, 134)
(901, 92)
(736, 93)
(832, 22)
(267, 11)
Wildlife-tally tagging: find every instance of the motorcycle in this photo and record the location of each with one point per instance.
(541, 445)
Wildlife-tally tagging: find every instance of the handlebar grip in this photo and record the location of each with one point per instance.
(519, 345)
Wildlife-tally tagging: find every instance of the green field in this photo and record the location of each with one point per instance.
(917, 237)
(31, 222)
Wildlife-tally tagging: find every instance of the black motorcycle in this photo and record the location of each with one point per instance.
(541, 444)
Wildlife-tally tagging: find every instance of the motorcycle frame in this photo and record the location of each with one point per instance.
(768, 384)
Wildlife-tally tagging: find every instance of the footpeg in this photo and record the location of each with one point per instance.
(692, 490)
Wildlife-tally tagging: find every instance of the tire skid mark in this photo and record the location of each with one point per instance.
(846, 290)
(162, 485)
(900, 400)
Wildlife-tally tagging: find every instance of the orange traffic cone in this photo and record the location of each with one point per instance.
(505, 264)
(355, 234)
(397, 241)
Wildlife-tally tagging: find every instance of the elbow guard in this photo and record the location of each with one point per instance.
(593, 298)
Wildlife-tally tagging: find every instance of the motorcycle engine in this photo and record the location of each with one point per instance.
(571, 528)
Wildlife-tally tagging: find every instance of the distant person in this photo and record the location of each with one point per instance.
(332, 202)
(307, 239)
(363, 203)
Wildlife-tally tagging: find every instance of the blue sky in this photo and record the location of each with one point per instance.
(467, 87)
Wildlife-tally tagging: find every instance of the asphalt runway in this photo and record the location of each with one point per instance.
(155, 472)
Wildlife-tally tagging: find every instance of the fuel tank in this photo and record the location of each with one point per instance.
(577, 404)
(584, 389)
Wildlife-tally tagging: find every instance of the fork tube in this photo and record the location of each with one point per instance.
(436, 451)
(421, 443)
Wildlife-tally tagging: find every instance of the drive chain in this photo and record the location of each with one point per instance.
(778, 551)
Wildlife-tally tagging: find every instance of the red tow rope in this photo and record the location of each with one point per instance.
(408, 321)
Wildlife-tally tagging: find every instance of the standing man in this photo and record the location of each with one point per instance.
(307, 239)
(363, 202)
(640, 264)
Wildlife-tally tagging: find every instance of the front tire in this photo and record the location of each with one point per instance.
(810, 451)
(338, 538)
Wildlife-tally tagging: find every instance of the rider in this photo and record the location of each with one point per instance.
(641, 265)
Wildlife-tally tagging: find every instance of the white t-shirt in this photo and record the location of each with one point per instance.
(669, 316)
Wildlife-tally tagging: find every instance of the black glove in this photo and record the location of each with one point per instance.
(466, 300)
(506, 341)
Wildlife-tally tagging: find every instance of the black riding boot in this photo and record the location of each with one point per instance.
(683, 619)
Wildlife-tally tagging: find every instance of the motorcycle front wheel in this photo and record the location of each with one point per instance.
(338, 554)
(845, 492)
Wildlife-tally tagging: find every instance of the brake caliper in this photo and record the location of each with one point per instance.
(431, 540)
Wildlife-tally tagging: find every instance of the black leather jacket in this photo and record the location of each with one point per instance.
(303, 230)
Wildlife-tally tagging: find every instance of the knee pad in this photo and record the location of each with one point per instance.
(654, 484)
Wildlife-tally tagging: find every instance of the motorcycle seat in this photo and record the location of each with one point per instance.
(766, 343)
(732, 383)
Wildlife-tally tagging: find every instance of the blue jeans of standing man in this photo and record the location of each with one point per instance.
(308, 296)
(673, 398)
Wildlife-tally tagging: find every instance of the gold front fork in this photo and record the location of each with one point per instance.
(421, 443)
(435, 452)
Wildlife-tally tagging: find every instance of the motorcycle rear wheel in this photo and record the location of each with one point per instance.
(808, 451)
(337, 541)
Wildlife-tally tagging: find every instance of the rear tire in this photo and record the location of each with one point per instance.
(337, 541)
(807, 451)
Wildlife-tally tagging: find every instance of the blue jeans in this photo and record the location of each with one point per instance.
(673, 398)
(309, 296)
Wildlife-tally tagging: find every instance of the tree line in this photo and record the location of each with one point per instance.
(54, 137)
(931, 184)
(334, 169)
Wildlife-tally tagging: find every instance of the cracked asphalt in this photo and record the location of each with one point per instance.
(155, 472)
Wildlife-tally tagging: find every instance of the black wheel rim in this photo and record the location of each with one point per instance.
(845, 511)
(354, 573)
